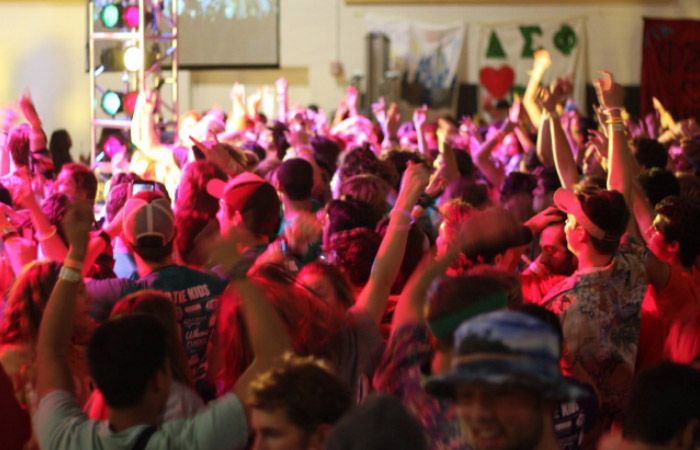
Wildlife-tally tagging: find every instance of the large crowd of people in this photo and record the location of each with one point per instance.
(526, 279)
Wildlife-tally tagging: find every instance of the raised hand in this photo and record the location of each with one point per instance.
(437, 184)
(414, 182)
(610, 94)
(560, 89)
(467, 126)
(689, 128)
(652, 124)
(282, 86)
(546, 100)
(351, 98)
(665, 117)
(297, 135)
(76, 224)
(254, 102)
(305, 230)
(542, 61)
(28, 109)
(321, 122)
(392, 120)
(514, 112)
(540, 221)
(379, 110)
(420, 116)
(599, 142)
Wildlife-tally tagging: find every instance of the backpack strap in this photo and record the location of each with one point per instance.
(143, 438)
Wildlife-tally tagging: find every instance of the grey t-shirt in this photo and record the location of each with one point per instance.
(60, 424)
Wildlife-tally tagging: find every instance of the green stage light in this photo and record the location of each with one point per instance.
(110, 16)
(111, 103)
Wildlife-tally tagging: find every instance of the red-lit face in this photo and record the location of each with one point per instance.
(555, 255)
(657, 242)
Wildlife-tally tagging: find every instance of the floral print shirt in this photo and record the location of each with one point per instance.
(600, 311)
(400, 374)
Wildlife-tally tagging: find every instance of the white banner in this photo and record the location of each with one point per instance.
(426, 53)
(506, 55)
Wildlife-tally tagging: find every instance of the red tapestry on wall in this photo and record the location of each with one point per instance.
(671, 66)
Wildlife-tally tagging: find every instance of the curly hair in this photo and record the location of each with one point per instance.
(681, 222)
(18, 144)
(357, 161)
(312, 324)
(370, 189)
(192, 192)
(26, 302)
(355, 251)
(306, 389)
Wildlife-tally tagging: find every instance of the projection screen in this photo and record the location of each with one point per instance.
(228, 33)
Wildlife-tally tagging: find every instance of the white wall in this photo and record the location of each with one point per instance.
(42, 45)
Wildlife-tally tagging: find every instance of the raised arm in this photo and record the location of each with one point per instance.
(541, 64)
(351, 95)
(7, 117)
(485, 229)
(50, 241)
(563, 157)
(419, 118)
(268, 336)
(282, 99)
(236, 120)
(610, 95)
(387, 263)
(388, 121)
(148, 140)
(53, 372)
(482, 159)
(38, 137)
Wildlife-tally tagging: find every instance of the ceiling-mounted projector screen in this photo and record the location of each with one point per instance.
(228, 33)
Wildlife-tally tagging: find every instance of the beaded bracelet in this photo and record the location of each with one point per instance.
(71, 263)
(71, 275)
(403, 212)
(614, 108)
(43, 237)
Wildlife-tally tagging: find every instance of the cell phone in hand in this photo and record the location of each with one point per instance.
(139, 186)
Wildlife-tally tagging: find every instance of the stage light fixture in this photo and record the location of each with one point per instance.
(111, 103)
(112, 145)
(133, 59)
(131, 16)
(112, 58)
(130, 102)
(110, 16)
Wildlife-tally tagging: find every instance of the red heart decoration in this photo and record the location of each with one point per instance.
(497, 82)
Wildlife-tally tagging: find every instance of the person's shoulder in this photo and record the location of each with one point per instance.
(222, 425)
(59, 419)
(203, 276)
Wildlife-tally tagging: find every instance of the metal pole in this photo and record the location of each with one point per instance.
(174, 66)
(91, 68)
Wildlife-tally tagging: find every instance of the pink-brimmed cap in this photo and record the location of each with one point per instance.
(568, 201)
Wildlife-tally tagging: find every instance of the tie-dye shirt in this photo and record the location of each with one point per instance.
(400, 374)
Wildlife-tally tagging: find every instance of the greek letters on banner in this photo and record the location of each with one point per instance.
(671, 66)
(426, 54)
(506, 54)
